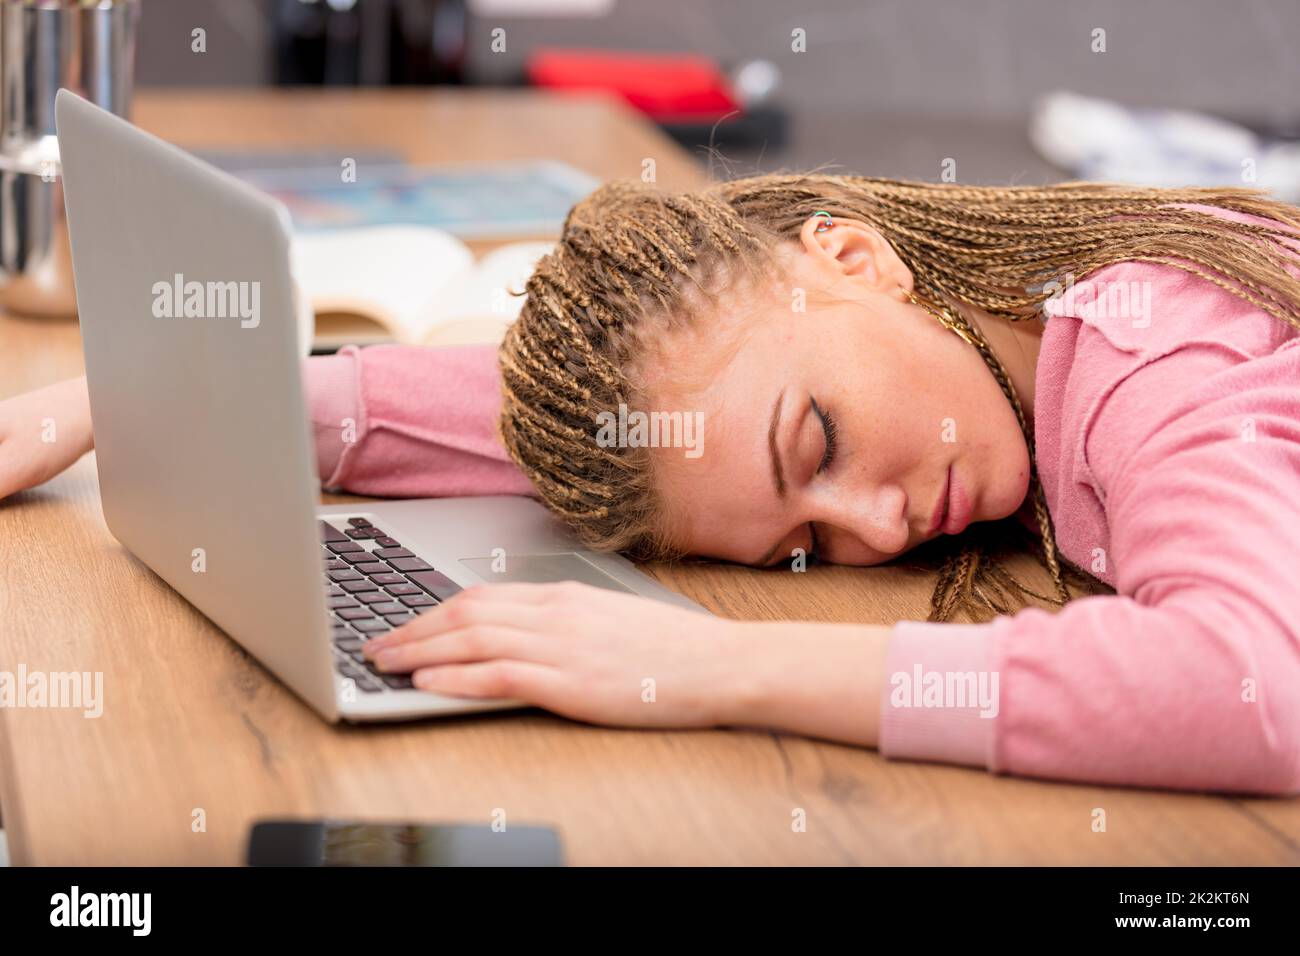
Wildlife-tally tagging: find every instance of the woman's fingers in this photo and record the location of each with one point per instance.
(477, 642)
(534, 684)
(41, 433)
(508, 605)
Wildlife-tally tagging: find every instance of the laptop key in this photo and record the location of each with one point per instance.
(333, 590)
(345, 547)
(360, 556)
(371, 597)
(359, 677)
(390, 607)
(359, 522)
(372, 626)
(349, 644)
(411, 564)
(436, 583)
(354, 613)
(330, 534)
(338, 630)
(359, 533)
(417, 600)
(343, 600)
(374, 567)
(398, 681)
(397, 620)
(397, 590)
(388, 542)
(352, 587)
(387, 553)
(388, 578)
(348, 574)
(333, 564)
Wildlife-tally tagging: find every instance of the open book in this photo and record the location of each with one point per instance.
(411, 284)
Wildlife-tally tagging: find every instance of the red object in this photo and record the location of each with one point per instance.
(667, 87)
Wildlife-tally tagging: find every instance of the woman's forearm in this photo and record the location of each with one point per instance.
(818, 680)
(404, 422)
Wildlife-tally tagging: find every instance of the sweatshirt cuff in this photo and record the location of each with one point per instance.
(332, 384)
(940, 700)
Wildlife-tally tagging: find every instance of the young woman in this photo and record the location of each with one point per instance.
(877, 364)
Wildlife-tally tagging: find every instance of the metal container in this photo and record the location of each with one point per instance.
(87, 46)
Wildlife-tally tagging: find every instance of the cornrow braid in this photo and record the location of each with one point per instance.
(633, 261)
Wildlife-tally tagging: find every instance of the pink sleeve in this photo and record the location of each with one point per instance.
(1188, 677)
(405, 422)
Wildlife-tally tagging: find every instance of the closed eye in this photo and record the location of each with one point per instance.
(831, 434)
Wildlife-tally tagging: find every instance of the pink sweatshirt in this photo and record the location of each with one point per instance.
(1169, 450)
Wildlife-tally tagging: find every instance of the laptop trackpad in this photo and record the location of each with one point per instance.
(543, 568)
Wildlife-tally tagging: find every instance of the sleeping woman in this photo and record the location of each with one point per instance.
(876, 364)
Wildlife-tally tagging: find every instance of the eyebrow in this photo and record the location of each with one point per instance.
(778, 475)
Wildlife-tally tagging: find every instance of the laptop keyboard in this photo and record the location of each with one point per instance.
(372, 585)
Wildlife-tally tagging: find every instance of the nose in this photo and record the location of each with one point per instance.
(876, 518)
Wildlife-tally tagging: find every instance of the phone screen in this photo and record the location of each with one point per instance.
(343, 843)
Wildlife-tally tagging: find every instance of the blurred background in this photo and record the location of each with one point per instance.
(883, 87)
(986, 92)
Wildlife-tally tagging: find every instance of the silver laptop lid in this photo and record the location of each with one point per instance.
(187, 320)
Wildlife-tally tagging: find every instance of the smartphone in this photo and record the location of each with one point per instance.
(344, 843)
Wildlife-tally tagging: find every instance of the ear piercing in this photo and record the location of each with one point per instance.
(828, 223)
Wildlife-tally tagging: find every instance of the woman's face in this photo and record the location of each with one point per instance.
(854, 430)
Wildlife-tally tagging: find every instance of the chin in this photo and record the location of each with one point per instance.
(1005, 499)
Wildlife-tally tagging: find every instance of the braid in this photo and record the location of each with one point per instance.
(632, 262)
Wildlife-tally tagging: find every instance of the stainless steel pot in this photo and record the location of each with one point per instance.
(87, 46)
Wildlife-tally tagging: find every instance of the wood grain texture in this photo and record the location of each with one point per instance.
(191, 722)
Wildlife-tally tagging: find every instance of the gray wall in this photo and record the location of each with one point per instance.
(942, 56)
(238, 38)
(986, 56)
(932, 56)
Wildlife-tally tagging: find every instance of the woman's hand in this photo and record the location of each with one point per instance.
(581, 651)
(42, 433)
(610, 658)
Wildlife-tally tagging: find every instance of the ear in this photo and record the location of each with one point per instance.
(851, 250)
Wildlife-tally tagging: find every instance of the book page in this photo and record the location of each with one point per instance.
(479, 305)
(396, 276)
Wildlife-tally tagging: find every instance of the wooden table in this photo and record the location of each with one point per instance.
(191, 723)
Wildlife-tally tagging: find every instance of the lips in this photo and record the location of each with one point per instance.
(940, 512)
(959, 505)
(952, 512)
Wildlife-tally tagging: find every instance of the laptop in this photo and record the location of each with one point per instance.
(206, 464)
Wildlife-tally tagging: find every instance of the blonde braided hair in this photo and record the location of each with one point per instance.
(634, 262)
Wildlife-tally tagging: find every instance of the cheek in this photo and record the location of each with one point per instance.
(955, 409)
(1003, 465)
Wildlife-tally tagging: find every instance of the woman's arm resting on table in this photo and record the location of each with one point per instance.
(610, 658)
(394, 421)
(1189, 677)
(407, 422)
(42, 432)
